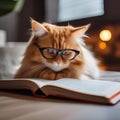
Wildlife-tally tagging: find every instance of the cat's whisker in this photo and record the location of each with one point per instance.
(86, 36)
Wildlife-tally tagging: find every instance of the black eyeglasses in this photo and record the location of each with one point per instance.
(50, 53)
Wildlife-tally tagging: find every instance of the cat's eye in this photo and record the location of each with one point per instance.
(68, 54)
(51, 53)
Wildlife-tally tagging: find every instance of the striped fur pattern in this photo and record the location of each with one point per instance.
(34, 65)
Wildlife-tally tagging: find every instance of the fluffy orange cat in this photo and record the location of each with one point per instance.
(55, 52)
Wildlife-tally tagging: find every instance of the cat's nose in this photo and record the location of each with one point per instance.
(58, 61)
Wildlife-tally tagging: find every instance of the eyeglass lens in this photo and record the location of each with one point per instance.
(51, 53)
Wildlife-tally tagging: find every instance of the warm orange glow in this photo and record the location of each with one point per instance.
(102, 45)
(105, 35)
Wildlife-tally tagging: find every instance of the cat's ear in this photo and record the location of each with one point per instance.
(80, 31)
(38, 28)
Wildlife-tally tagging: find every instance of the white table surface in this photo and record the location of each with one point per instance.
(22, 107)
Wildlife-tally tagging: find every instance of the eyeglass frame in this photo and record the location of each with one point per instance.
(58, 52)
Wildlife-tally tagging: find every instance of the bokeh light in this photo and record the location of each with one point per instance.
(102, 45)
(105, 35)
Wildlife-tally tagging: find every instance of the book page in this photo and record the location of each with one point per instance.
(18, 84)
(40, 82)
(93, 87)
(22, 83)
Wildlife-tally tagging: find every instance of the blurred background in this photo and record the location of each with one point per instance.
(104, 33)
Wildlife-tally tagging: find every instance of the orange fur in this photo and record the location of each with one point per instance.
(60, 37)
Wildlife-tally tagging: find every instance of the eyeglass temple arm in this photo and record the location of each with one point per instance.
(36, 45)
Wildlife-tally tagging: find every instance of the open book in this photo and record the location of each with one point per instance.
(87, 90)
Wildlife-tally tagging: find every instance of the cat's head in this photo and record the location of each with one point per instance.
(55, 47)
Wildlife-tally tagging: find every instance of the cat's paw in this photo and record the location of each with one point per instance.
(47, 74)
